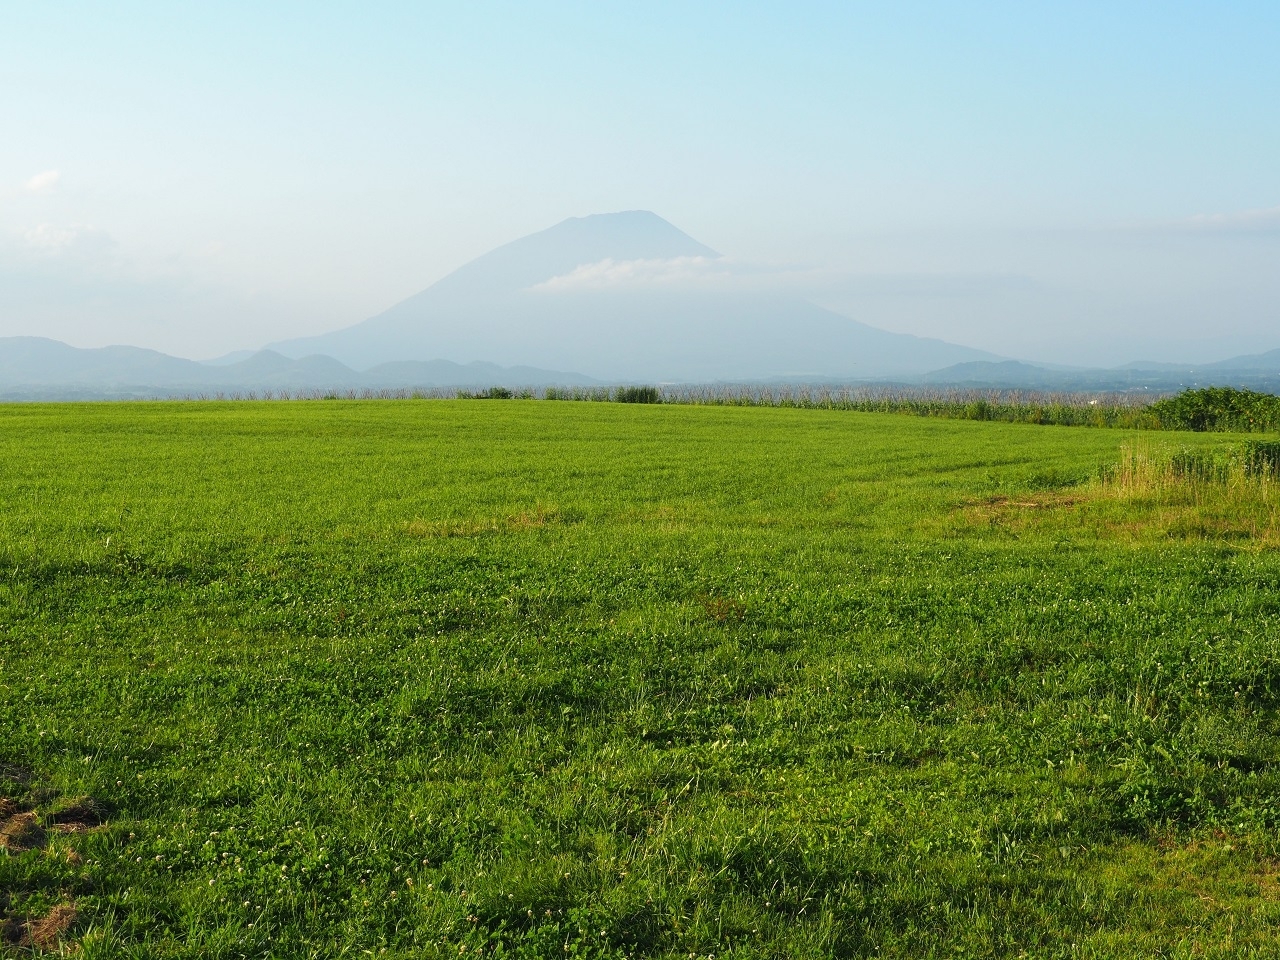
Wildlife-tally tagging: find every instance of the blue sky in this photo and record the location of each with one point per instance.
(1085, 182)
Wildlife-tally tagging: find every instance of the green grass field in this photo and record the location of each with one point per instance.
(538, 679)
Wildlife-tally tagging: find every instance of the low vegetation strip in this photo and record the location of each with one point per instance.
(1221, 409)
(632, 680)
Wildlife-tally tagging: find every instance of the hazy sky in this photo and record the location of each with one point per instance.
(1080, 182)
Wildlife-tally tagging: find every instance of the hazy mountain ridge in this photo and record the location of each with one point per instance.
(36, 367)
(1259, 371)
(39, 368)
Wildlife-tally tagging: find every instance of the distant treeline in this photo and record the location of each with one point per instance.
(1208, 409)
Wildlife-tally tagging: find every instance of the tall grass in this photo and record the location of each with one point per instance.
(1146, 468)
(1232, 493)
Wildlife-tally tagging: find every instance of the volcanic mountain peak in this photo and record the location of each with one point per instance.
(523, 263)
(500, 308)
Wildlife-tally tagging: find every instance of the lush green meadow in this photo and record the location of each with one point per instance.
(539, 679)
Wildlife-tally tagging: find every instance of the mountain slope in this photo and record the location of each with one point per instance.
(519, 305)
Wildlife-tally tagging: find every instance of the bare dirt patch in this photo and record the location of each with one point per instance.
(1016, 514)
(722, 610)
(15, 772)
(21, 832)
(22, 829)
(1029, 503)
(26, 826)
(43, 933)
(78, 816)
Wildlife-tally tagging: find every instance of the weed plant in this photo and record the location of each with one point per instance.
(527, 679)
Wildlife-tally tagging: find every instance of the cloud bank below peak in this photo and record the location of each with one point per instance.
(611, 274)
(729, 275)
(1265, 219)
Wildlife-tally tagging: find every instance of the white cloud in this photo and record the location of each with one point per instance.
(52, 240)
(611, 274)
(50, 237)
(43, 182)
(1262, 219)
(726, 274)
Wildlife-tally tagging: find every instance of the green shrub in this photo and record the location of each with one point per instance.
(493, 393)
(1219, 408)
(638, 395)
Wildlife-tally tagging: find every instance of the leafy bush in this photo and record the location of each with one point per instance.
(1219, 408)
(493, 393)
(638, 395)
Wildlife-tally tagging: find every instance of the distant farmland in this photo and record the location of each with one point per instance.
(429, 678)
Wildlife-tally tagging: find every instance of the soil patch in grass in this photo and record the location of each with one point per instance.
(41, 933)
(21, 831)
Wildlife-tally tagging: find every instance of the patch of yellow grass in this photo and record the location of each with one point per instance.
(1165, 491)
(536, 519)
(1153, 492)
(1213, 895)
(1147, 470)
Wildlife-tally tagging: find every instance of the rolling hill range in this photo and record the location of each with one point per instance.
(603, 295)
(39, 368)
(1260, 371)
(36, 368)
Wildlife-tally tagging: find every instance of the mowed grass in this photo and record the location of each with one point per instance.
(539, 679)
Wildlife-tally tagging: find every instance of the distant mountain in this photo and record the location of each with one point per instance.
(35, 367)
(40, 362)
(235, 356)
(1264, 363)
(1255, 372)
(1255, 363)
(1007, 373)
(570, 298)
